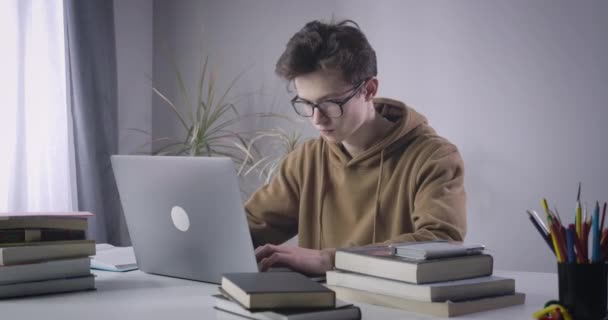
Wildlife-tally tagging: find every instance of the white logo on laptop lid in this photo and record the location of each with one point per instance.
(180, 218)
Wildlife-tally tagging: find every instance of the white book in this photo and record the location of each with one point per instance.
(44, 251)
(439, 291)
(379, 261)
(47, 287)
(49, 270)
(111, 258)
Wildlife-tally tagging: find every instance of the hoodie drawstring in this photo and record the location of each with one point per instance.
(320, 204)
(378, 195)
(322, 197)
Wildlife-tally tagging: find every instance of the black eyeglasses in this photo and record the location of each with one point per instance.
(329, 108)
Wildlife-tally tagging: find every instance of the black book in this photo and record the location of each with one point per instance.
(343, 311)
(276, 290)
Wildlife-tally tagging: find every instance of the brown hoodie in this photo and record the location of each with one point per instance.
(406, 187)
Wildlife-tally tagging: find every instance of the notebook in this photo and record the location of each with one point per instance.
(434, 250)
(111, 258)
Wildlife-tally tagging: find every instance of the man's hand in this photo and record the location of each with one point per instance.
(303, 260)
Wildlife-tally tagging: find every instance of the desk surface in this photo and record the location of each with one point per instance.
(137, 295)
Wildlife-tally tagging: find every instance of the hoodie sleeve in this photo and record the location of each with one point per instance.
(440, 198)
(272, 211)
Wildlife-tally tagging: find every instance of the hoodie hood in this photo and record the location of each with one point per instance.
(409, 124)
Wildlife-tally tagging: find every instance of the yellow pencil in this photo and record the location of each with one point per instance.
(545, 206)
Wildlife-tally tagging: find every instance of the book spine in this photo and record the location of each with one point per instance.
(34, 235)
(35, 254)
(44, 223)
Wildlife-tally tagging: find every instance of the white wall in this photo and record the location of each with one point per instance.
(520, 86)
(134, 52)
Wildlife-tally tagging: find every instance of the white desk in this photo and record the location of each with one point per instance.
(137, 295)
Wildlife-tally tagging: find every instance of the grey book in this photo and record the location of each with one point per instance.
(49, 270)
(439, 309)
(44, 222)
(52, 220)
(456, 290)
(44, 251)
(47, 287)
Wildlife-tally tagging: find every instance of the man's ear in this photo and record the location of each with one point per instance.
(371, 88)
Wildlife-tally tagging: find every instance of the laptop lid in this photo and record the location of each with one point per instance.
(185, 216)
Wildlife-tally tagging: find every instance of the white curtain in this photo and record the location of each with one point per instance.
(36, 147)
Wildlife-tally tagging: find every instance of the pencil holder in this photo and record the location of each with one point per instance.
(582, 289)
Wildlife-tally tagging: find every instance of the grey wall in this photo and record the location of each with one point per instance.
(519, 86)
(134, 49)
(134, 52)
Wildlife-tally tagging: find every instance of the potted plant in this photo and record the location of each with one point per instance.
(210, 123)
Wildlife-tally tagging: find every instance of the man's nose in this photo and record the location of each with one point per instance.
(318, 117)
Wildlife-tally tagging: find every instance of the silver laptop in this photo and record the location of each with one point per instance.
(185, 216)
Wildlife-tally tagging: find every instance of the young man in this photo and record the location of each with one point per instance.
(377, 174)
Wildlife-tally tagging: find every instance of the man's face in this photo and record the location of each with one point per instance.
(323, 85)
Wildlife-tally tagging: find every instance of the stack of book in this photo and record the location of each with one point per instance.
(457, 281)
(42, 253)
(279, 295)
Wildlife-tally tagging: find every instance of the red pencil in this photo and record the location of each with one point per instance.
(603, 217)
(577, 244)
(560, 234)
(604, 244)
(557, 232)
(585, 239)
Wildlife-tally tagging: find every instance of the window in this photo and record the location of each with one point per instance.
(36, 157)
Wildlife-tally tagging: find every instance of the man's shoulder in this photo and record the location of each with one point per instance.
(429, 145)
(423, 135)
(436, 142)
(438, 151)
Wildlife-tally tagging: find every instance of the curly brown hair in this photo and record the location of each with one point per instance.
(321, 46)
